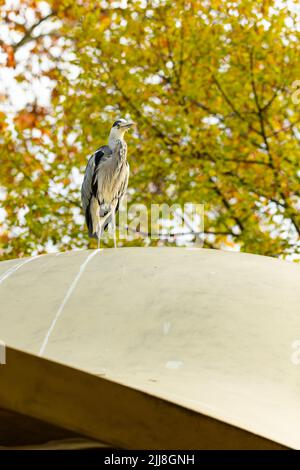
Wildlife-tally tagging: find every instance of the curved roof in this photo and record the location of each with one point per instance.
(208, 331)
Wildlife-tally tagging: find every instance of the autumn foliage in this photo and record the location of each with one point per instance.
(211, 86)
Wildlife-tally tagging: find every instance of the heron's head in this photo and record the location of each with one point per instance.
(119, 128)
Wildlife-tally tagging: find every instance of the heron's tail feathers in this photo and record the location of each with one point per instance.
(91, 217)
(97, 217)
(89, 223)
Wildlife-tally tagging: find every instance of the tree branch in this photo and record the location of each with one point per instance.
(28, 34)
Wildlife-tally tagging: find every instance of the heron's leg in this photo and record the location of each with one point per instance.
(113, 219)
(99, 235)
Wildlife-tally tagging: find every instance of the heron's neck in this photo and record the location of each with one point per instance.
(112, 141)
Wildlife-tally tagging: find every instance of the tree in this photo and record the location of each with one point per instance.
(210, 85)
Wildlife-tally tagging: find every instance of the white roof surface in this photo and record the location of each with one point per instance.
(211, 331)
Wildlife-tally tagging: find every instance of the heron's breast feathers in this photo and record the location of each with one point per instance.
(110, 181)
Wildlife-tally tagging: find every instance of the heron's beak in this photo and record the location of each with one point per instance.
(128, 125)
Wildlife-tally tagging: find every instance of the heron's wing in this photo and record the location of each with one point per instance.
(87, 188)
(89, 185)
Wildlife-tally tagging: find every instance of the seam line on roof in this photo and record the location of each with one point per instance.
(66, 298)
(14, 268)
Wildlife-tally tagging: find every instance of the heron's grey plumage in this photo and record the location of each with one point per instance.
(104, 185)
(88, 188)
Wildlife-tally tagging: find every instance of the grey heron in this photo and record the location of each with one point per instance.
(105, 181)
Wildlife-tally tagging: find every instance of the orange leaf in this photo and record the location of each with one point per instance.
(25, 120)
(10, 59)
